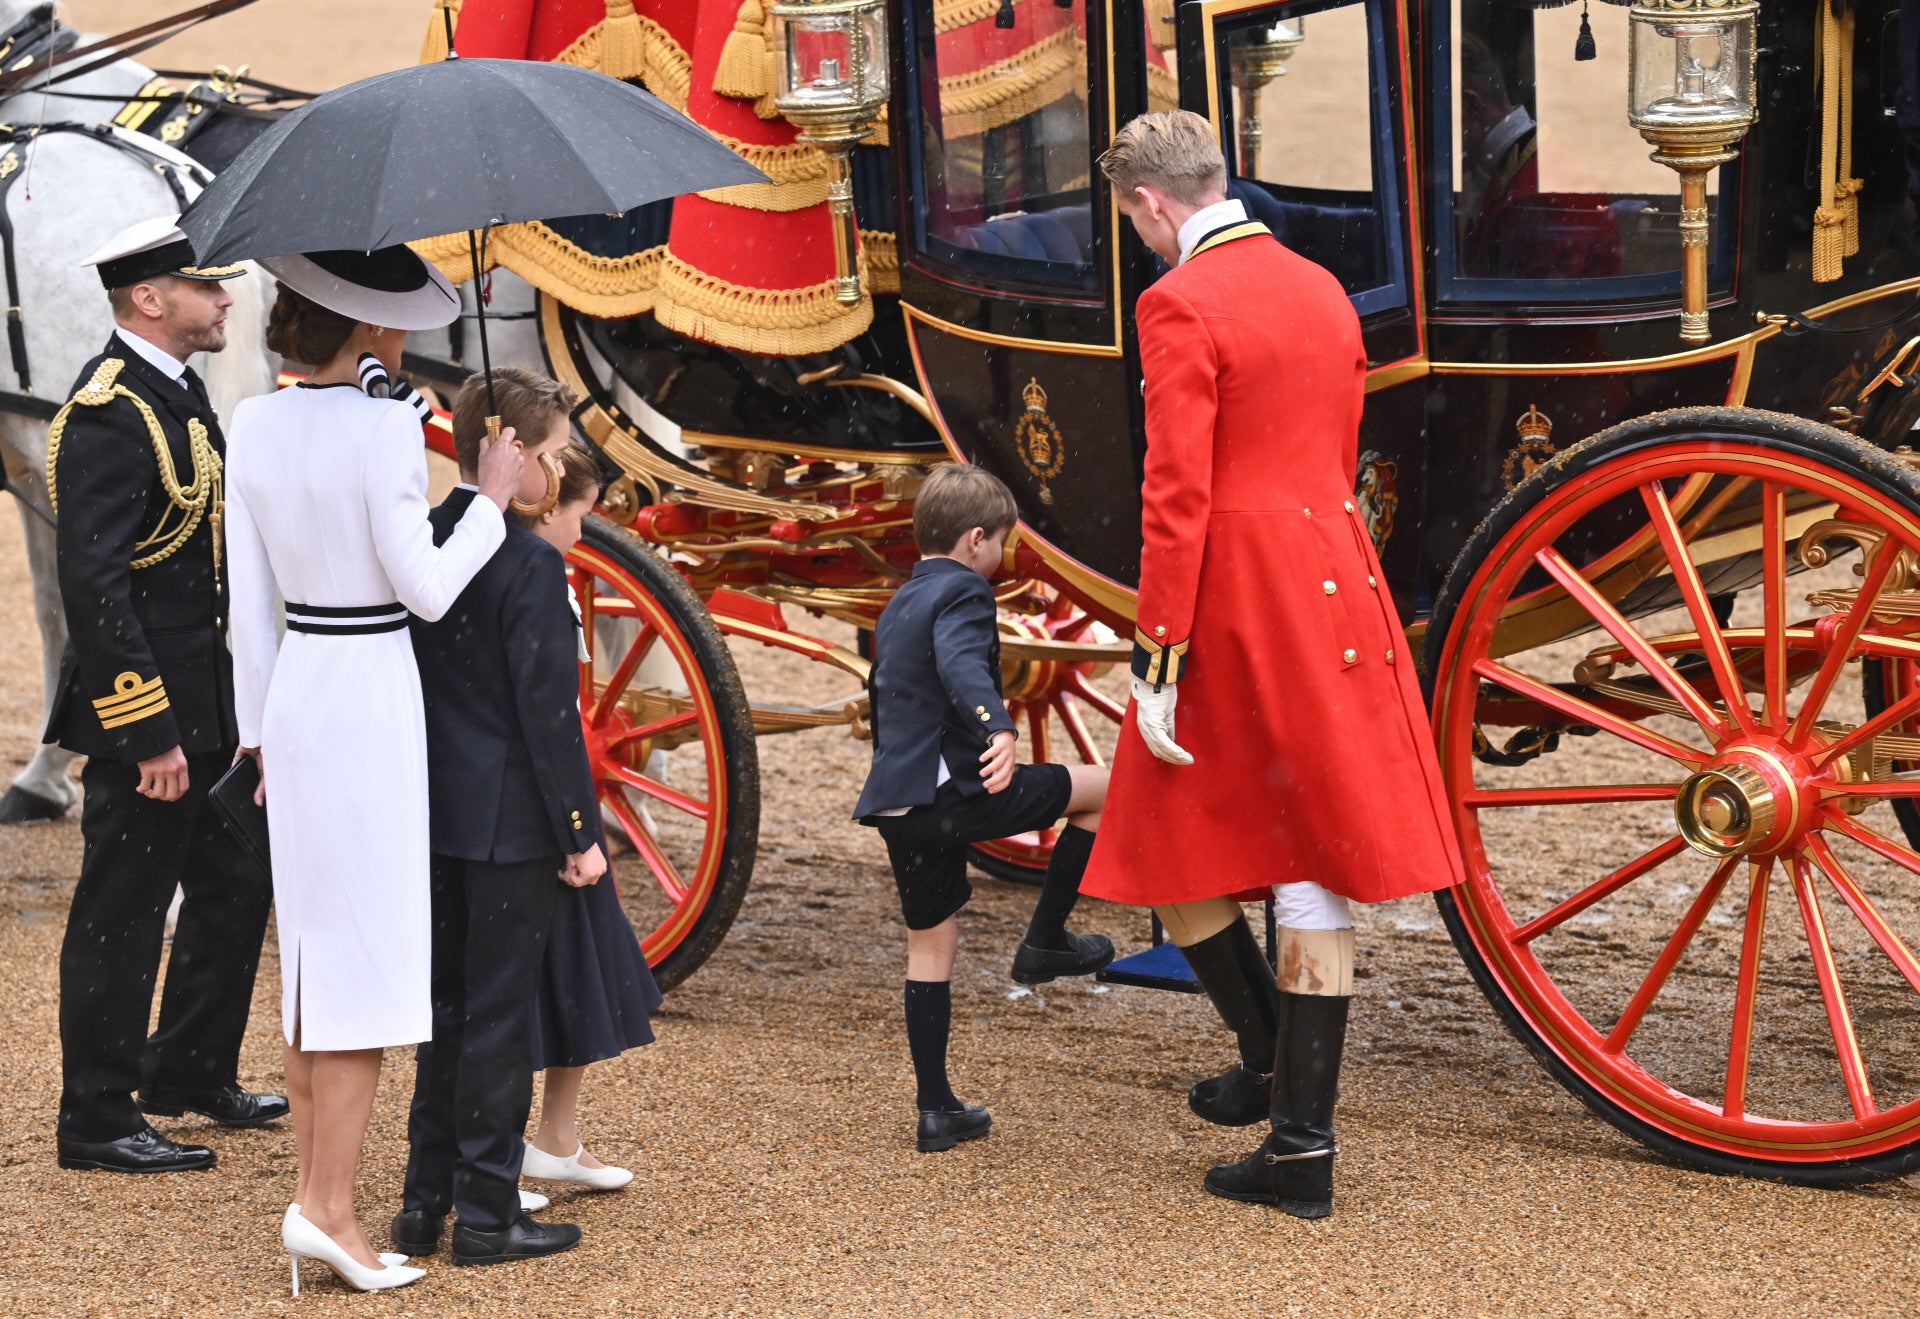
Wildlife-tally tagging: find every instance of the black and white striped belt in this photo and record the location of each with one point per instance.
(346, 620)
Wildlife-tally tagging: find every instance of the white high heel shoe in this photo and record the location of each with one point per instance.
(533, 1202)
(386, 1256)
(545, 1167)
(305, 1241)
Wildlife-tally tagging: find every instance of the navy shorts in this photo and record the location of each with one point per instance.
(928, 845)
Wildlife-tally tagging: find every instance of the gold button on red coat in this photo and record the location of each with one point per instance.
(1328, 587)
(1389, 657)
(1160, 631)
(1349, 506)
(1375, 585)
(1350, 656)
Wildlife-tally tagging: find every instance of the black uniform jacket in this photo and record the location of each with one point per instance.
(146, 667)
(507, 773)
(934, 687)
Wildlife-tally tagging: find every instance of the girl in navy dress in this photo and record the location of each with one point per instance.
(596, 993)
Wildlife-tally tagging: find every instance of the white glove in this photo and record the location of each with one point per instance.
(1153, 716)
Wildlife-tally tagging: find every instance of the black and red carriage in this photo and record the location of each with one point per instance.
(1634, 456)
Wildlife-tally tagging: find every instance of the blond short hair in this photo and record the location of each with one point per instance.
(1172, 150)
(953, 500)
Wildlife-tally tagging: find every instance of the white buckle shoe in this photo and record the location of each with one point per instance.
(532, 1202)
(545, 1167)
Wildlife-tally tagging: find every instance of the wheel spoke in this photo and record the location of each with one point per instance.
(1099, 700)
(1039, 736)
(1585, 712)
(664, 873)
(1617, 626)
(654, 729)
(1687, 577)
(1586, 897)
(617, 685)
(1746, 990)
(583, 591)
(1853, 1068)
(1873, 841)
(1497, 798)
(1076, 727)
(1773, 557)
(1872, 728)
(1875, 788)
(659, 791)
(1669, 958)
(1862, 907)
(1844, 636)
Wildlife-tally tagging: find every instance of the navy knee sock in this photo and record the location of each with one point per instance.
(1061, 888)
(929, 1022)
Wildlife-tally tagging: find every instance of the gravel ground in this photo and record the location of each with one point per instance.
(771, 1128)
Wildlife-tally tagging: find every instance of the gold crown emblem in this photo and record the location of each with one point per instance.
(1036, 397)
(1534, 425)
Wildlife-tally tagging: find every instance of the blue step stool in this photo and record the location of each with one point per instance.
(1162, 966)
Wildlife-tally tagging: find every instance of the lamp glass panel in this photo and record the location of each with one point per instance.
(819, 68)
(875, 64)
(1692, 69)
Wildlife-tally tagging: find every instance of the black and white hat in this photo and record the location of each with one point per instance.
(389, 286)
(149, 249)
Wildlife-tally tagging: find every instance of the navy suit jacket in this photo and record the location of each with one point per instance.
(934, 687)
(507, 772)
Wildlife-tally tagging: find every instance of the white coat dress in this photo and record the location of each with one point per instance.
(326, 494)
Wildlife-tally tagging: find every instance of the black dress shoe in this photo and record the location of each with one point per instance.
(1238, 1097)
(145, 1150)
(228, 1105)
(416, 1232)
(521, 1239)
(1083, 955)
(944, 1130)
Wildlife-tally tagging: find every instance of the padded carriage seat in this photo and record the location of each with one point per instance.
(1063, 234)
(1341, 238)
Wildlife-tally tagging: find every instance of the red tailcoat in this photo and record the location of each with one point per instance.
(1298, 696)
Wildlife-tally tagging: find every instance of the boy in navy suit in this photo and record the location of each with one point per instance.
(513, 815)
(944, 777)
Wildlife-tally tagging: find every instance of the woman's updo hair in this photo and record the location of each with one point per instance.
(301, 330)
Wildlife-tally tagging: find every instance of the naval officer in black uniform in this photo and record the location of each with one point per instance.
(146, 694)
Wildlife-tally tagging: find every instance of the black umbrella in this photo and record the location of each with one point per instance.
(461, 144)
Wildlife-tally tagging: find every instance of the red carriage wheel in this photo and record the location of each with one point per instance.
(1063, 717)
(670, 737)
(1699, 913)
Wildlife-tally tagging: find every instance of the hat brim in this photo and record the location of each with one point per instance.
(429, 307)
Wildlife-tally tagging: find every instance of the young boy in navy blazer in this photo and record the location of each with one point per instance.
(513, 815)
(944, 777)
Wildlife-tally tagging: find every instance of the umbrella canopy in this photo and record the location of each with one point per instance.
(457, 144)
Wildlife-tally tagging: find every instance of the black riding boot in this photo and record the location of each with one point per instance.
(1237, 978)
(1293, 1169)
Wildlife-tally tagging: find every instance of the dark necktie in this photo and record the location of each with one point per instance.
(196, 387)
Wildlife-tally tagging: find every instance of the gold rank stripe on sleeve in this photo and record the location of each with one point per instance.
(133, 700)
(1164, 663)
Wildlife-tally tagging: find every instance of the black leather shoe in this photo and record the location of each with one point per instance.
(1238, 1097)
(228, 1105)
(1083, 955)
(942, 1131)
(145, 1150)
(1293, 1181)
(521, 1239)
(416, 1232)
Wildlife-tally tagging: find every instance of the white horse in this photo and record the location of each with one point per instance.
(74, 193)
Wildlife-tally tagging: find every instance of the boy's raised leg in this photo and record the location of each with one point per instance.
(1049, 951)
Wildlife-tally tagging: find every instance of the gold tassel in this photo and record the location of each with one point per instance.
(745, 70)
(1846, 196)
(433, 46)
(623, 43)
(1829, 225)
(1160, 23)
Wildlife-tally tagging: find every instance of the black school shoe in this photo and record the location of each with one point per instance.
(416, 1232)
(146, 1150)
(228, 1105)
(1083, 955)
(521, 1239)
(943, 1130)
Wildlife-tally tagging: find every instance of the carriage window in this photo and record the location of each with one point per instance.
(1552, 195)
(1005, 156)
(1310, 143)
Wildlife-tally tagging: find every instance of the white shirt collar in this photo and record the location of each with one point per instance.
(1205, 220)
(166, 363)
(468, 485)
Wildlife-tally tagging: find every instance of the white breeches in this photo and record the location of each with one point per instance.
(1307, 906)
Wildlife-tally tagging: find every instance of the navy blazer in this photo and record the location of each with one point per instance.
(507, 772)
(934, 687)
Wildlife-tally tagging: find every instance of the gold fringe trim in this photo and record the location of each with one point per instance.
(880, 251)
(1163, 89)
(667, 69)
(612, 287)
(882, 131)
(433, 45)
(952, 15)
(1011, 89)
(746, 70)
(771, 322)
(800, 172)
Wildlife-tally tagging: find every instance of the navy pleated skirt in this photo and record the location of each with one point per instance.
(597, 996)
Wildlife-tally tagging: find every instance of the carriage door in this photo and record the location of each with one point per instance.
(1309, 100)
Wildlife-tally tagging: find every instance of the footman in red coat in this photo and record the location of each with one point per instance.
(1302, 758)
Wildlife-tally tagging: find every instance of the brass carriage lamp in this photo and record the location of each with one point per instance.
(1691, 96)
(833, 71)
(1256, 60)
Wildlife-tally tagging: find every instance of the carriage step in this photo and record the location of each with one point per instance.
(1158, 967)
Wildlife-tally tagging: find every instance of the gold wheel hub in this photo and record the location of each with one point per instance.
(1748, 803)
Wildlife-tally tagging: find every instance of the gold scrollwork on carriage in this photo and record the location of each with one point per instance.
(1037, 439)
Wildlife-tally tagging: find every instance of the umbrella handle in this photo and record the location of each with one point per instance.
(548, 464)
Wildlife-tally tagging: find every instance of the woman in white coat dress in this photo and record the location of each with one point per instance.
(326, 507)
